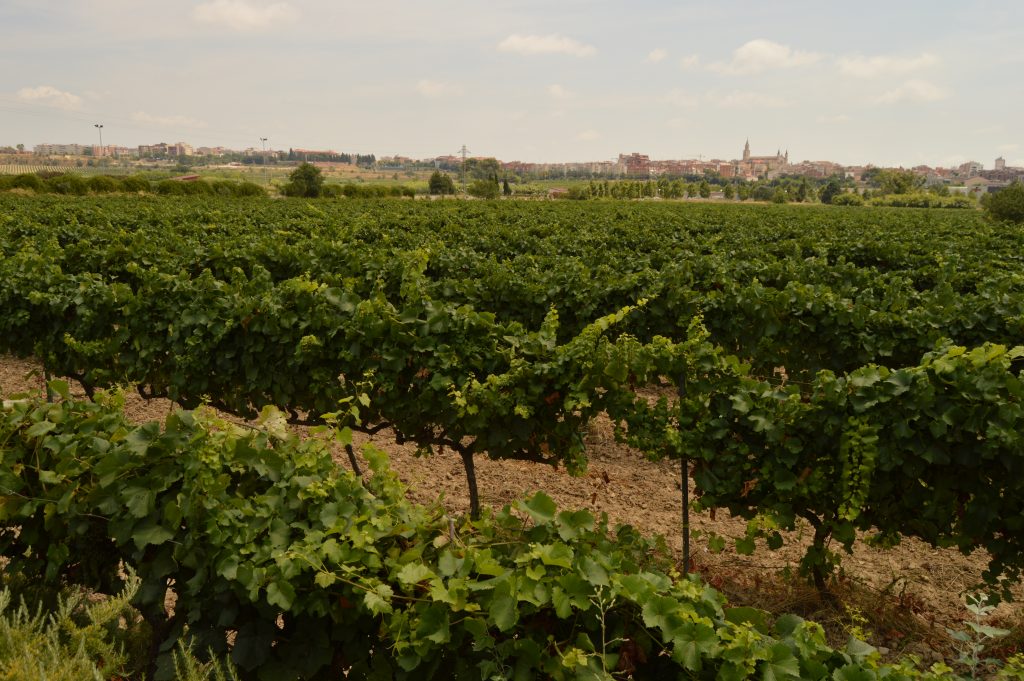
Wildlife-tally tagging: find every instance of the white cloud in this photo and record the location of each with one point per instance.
(873, 67)
(241, 15)
(654, 56)
(1008, 147)
(545, 44)
(435, 89)
(558, 92)
(50, 96)
(764, 55)
(168, 121)
(689, 63)
(678, 123)
(914, 91)
(588, 135)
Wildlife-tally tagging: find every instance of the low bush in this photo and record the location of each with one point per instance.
(922, 200)
(1006, 205)
(69, 183)
(135, 184)
(847, 199)
(321, 574)
(103, 184)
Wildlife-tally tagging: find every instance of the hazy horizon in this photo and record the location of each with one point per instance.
(891, 84)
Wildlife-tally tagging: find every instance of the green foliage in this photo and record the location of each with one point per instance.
(28, 181)
(78, 640)
(88, 636)
(69, 183)
(978, 636)
(72, 184)
(440, 183)
(230, 188)
(482, 168)
(484, 189)
(1006, 205)
(184, 188)
(188, 667)
(895, 181)
(933, 451)
(305, 181)
(248, 189)
(368, 191)
(847, 199)
(103, 184)
(471, 332)
(321, 574)
(134, 183)
(923, 200)
(830, 191)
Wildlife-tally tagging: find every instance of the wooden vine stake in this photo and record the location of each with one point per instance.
(684, 484)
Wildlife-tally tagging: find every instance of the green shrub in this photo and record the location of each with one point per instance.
(333, 191)
(170, 188)
(1006, 205)
(261, 534)
(103, 184)
(69, 183)
(196, 188)
(29, 181)
(249, 189)
(78, 640)
(484, 189)
(134, 184)
(222, 187)
(184, 188)
(305, 181)
(440, 183)
(922, 200)
(847, 199)
(88, 636)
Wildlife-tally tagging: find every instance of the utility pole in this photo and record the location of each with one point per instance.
(99, 126)
(266, 178)
(463, 151)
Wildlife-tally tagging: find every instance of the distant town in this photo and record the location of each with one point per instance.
(972, 176)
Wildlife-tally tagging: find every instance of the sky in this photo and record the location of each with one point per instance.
(897, 83)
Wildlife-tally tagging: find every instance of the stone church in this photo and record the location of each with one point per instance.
(757, 166)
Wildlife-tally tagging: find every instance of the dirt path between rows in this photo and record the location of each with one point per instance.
(904, 598)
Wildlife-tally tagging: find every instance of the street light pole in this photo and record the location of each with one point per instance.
(266, 179)
(99, 126)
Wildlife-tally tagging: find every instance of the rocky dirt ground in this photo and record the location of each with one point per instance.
(905, 599)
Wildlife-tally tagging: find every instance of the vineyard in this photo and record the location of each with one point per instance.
(857, 370)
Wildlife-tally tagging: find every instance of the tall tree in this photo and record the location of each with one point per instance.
(441, 183)
(306, 181)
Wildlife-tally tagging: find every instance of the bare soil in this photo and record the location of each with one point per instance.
(904, 599)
